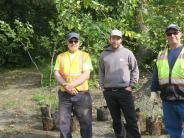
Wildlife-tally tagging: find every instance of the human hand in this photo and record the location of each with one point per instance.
(129, 89)
(101, 89)
(70, 89)
(153, 97)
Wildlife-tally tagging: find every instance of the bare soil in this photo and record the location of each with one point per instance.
(20, 114)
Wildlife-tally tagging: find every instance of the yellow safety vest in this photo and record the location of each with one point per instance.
(72, 69)
(177, 75)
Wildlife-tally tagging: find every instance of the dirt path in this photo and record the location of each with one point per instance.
(20, 114)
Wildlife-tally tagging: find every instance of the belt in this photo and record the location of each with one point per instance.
(115, 88)
(77, 91)
(84, 91)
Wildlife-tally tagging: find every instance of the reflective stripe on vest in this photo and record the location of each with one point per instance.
(177, 74)
(66, 68)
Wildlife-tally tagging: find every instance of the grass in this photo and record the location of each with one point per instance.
(10, 131)
(39, 98)
(9, 104)
(43, 97)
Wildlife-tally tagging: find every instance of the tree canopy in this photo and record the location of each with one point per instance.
(41, 26)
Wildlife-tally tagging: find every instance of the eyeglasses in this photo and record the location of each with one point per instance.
(172, 33)
(73, 41)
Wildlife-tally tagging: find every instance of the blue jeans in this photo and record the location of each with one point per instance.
(81, 105)
(173, 118)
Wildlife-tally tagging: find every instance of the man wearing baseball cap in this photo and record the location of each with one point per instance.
(72, 71)
(168, 77)
(118, 72)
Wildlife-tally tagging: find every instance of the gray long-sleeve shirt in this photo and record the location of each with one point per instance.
(118, 68)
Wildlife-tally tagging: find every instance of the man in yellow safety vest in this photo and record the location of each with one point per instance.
(168, 77)
(72, 71)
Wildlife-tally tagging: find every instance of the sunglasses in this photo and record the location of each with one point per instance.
(73, 41)
(172, 33)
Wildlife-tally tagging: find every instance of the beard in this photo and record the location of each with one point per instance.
(115, 46)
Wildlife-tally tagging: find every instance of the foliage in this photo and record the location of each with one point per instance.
(41, 98)
(16, 40)
(41, 26)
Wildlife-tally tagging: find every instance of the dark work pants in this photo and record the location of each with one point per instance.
(81, 106)
(118, 100)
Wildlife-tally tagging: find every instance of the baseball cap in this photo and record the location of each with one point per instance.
(73, 35)
(116, 32)
(172, 26)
